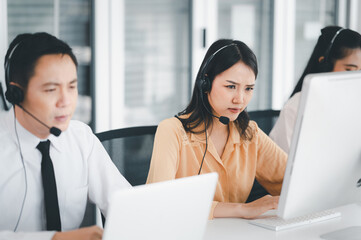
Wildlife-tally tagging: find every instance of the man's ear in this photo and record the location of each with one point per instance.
(16, 84)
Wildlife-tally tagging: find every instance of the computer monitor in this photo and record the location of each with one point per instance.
(324, 165)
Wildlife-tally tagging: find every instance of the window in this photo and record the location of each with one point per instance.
(251, 22)
(70, 21)
(311, 17)
(157, 68)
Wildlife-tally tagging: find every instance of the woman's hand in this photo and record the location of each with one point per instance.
(87, 233)
(246, 210)
(259, 206)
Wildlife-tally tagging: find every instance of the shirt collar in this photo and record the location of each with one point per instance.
(234, 136)
(199, 137)
(25, 136)
(56, 141)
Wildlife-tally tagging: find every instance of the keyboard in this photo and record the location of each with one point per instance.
(276, 223)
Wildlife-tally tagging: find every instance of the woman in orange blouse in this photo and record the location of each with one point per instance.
(214, 134)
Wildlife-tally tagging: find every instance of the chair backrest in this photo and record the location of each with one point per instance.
(131, 151)
(265, 119)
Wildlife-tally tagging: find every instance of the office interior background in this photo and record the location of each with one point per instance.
(138, 58)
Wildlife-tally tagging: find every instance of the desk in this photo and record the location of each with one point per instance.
(233, 228)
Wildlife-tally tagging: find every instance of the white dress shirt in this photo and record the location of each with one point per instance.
(282, 131)
(83, 170)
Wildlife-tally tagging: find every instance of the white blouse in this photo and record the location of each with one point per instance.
(283, 130)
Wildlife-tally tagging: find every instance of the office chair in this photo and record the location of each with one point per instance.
(131, 151)
(265, 120)
(131, 148)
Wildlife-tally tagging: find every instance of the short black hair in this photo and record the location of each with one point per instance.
(26, 49)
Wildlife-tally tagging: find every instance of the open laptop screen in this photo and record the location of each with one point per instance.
(176, 209)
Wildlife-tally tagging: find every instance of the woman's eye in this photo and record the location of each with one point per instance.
(249, 89)
(231, 86)
(347, 68)
(50, 90)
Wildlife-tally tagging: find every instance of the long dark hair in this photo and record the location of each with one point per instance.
(219, 62)
(330, 51)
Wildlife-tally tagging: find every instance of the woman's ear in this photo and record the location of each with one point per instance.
(321, 59)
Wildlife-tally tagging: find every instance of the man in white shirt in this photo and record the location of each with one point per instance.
(41, 77)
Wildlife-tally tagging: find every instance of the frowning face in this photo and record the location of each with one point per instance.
(232, 90)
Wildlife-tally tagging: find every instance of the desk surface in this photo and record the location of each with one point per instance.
(233, 228)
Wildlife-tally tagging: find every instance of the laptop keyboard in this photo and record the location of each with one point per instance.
(276, 223)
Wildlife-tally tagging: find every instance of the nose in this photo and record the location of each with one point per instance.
(238, 98)
(64, 98)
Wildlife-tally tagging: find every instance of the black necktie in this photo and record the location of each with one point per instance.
(50, 193)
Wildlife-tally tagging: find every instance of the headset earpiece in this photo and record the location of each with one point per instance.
(14, 94)
(204, 84)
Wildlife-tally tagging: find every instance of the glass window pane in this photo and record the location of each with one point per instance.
(74, 28)
(156, 59)
(30, 16)
(70, 20)
(311, 17)
(251, 21)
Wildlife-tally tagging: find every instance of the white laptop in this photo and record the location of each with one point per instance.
(175, 209)
(324, 165)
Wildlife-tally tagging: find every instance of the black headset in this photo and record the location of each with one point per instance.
(14, 94)
(203, 82)
(325, 64)
(204, 85)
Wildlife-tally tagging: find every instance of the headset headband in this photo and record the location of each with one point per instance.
(204, 68)
(7, 64)
(331, 43)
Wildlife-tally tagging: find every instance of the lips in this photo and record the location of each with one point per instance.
(61, 118)
(234, 110)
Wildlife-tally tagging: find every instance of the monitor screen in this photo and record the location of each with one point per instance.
(324, 165)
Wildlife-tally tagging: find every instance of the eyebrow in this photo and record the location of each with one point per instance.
(350, 65)
(74, 81)
(232, 82)
(56, 84)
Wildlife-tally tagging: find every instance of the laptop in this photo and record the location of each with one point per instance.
(176, 209)
(324, 165)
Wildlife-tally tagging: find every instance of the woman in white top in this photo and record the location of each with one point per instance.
(337, 49)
